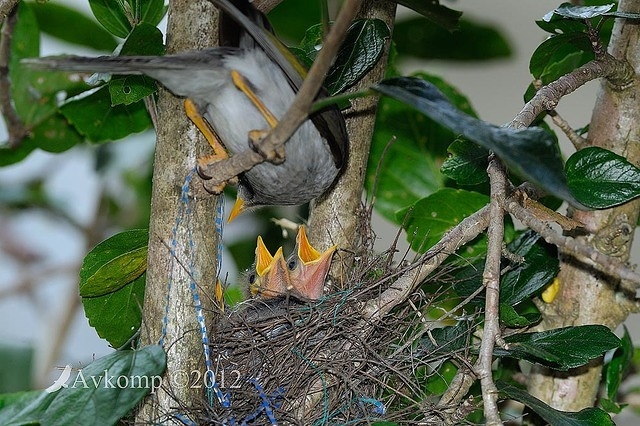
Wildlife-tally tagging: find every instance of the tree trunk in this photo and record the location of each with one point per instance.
(191, 25)
(586, 296)
(335, 218)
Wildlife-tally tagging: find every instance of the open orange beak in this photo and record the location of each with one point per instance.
(272, 277)
(309, 267)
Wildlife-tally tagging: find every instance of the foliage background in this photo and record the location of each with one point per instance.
(495, 89)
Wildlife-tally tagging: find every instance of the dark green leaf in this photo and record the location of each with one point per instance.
(467, 163)
(100, 394)
(148, 11)
(24, 408)
(306, 15)
(532, 153)
(311, 44)
(114, 262)
(408, 169)
(562, 348)
(117, 316)
(540, 266)
(434, 215)
(560, 54)
(112, 16)
(55, 19)
(94, 117)
(143, 40)
(587, 417)
(558, 25)
(445, 341)
(434, 12)
(570, 11)
(362, 48)
(601, 179)
(615, 369)
(470, 42)
(85, 403)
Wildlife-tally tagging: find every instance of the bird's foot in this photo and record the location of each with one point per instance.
(271, 154)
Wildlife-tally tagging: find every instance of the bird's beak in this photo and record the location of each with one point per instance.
(238, 208)
(309, 274)
(272, 274)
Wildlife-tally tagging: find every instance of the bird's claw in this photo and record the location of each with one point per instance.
(274, 155)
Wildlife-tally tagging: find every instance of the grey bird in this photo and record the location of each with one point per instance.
(243, 86)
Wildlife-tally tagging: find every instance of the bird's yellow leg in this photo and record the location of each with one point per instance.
(219, 151)
(244, 86)
(256, 135)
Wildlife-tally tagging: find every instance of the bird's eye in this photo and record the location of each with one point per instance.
(292, 264)
(252, 278)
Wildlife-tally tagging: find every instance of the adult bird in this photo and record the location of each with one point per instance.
(235, 93)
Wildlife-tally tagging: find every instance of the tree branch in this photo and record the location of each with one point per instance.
(619, 72)
(17, 131)
(491, 282)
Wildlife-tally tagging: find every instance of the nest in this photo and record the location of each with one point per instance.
(299, 363)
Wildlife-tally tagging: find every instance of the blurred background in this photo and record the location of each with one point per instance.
(55, 207)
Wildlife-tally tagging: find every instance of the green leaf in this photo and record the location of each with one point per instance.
(407, 170)
(54, 19)
(438, 383)
(444, 342)
(510, 316)
(532, 153)
(471, 41)
(94, 117)
(114, 262)
(467, 163)
(601, 179)
(111, 14)
(586, 417)
(106, 390)
(307, 14)
(143, 40)
(117, 316)
(434, 215)
(363, 46)
(101, 393)
(434, 12)
(540, 266)
(148, 11)
(567, 10)
(615, 370)
(559, 55)
(24, 408)
(562, 348)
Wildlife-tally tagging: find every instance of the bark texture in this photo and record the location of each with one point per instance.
(335, 218)
(191, 25)
(586, 296)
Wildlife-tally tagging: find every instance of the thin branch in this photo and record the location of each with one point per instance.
(465, 231)
(273, 144)
(600, 261)
(17, 131)
(578, 141)
(491, 281)
(618, 72)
